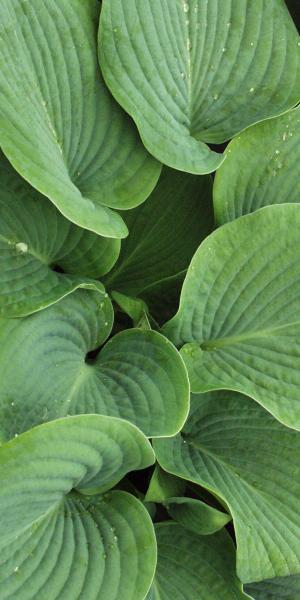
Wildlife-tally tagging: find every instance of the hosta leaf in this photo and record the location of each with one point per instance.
(193, 567)
(239, 452)
(34, 240)
(59, 543)
(196, 516)
(163, 485)
(59, 126)
(286, 588)
(172, 65)
(164, 234)
(46, 371)
(261, 168)
(238, 315)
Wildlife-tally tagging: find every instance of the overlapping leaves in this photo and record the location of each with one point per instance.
(46, 371)
(70, 139)
(190, 71)
(60, 538)
(238, 321)
(242, 454)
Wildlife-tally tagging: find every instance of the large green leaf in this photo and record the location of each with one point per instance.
(59, 126)
(35, 239)
(238, 314)
(57, 541)
(261, 168)
(238, 451)
(193, 567)
(190, 71)
(163, 233)
(280, 588)
(46, 372)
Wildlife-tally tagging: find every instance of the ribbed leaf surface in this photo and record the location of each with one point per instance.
(261, 168)
(57, 543)
(46, 373)
(59, 126)
(35, 239)
(239, 307)
(192, 71)
(194, 567)
(239, 452)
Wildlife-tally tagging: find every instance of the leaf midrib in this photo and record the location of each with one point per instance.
(217, 343)
(29, 251)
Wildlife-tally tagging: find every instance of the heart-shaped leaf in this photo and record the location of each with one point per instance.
(59, 126)
(280, 588)
(59, 543)
(238, 315)
(238, 451)
(260, 168)
(172, 65)
(46, 371)
(35, 239)
(192, 567)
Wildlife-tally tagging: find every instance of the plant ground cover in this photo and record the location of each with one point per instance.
(149, 300)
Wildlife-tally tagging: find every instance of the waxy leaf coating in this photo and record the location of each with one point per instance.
(57, 542)
(240, 453)
(59, 126)
(46, 372)
(35, 239)
(238, 321)
(192, 71)
(193, 567)
(261, 168)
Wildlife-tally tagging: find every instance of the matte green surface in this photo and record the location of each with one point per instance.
(196, 516)
(286, 588)
(194, 567)
(35, 239)
(238, 317)
(58, 543)
(191, 71)
(237, 450)
(261, 168)
(164, 233)
(46, 373)
(59, 126)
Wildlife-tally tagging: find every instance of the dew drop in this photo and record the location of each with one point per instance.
(12, 404)
(21, 247)
(186, 7)
(298, 44)
(106, 323)
(223, 49)
(251, 90)
(251, 43)
(16, 569)
(216, 96)
(277, 151)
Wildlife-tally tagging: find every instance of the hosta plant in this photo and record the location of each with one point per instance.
(149, 300)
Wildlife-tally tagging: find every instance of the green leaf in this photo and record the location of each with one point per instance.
(239, 452)
(34, 240)
(173, 68)
(164, 234)
(192, 567)
(59, 126)
(287, 588)
(135, 308)
(238, 315)
(196, 516)
(46, 371)
(163, 485)
(261, 168)
(57, 542)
